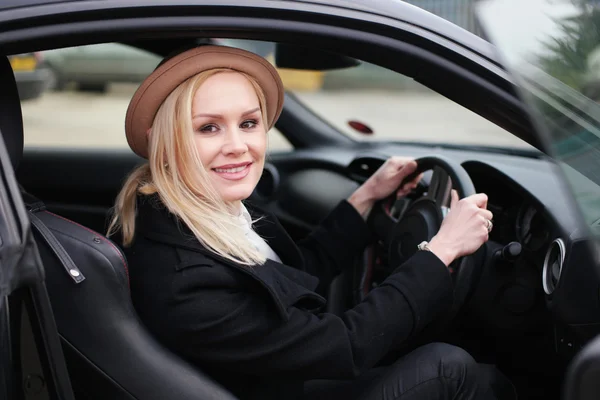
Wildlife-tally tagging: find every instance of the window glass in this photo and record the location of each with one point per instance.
(77, 97)
(85, 92)
(368, 102)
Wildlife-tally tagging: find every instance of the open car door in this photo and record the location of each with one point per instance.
(583, 376)
(31, 358)
(553, 56)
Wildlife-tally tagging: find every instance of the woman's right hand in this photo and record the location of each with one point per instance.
(464, 229)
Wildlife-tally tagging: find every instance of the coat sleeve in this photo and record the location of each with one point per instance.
(336, 243)
(239, 330)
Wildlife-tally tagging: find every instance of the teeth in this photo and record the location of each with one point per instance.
(231, 170)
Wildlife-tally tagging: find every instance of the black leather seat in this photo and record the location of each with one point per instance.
(109, 353)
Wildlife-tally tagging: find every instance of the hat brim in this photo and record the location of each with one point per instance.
(161, 82)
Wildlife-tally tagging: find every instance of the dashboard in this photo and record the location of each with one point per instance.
(553, 271)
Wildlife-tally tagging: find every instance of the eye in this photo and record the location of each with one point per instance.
(249, 124)
(210, 128)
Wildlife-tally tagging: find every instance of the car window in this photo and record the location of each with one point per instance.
(368, 102)
(77, 97)
(83, 93)
(553, 49)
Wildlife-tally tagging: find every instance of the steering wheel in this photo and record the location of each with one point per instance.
(401, 231)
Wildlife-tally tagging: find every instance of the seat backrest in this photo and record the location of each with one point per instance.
(109, 353)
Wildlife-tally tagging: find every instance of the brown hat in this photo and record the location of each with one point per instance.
(174, 71)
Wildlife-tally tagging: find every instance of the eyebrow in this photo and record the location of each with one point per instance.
(220, 116)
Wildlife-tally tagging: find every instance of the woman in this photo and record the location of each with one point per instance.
(221, 283)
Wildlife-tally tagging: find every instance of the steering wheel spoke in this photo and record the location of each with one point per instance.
(440, 187)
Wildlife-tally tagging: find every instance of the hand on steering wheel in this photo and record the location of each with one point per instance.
(454, 238)
(390, 180)
(465, 228)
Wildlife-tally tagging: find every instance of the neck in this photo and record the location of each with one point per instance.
(235, 207)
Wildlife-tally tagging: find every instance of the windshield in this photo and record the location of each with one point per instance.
(370, 103)
(553, 48)
(78, 97)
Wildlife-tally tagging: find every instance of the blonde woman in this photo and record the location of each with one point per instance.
(221, 283)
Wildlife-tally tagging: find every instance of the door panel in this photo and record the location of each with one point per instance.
(583, 376)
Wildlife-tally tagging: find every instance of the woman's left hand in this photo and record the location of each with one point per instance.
(384, 182)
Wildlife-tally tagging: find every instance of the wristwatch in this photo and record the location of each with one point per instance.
(423, 246)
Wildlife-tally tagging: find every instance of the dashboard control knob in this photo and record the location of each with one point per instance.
(510, 252)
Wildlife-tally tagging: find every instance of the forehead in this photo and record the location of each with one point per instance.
(226, 82)
(225, 89)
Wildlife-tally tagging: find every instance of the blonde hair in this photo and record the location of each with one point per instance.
(174, 171)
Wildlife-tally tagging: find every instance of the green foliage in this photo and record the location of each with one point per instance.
(566, 55)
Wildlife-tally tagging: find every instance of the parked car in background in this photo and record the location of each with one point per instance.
(94, 67)
(31, 76)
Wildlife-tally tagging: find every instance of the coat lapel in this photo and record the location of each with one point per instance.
(287, 282)
(157, 223)
(268, 227)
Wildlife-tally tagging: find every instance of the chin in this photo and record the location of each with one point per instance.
(236, 194)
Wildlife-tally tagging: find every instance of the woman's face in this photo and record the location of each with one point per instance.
(230, 134)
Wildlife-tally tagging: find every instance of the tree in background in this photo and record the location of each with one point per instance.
(566, 56)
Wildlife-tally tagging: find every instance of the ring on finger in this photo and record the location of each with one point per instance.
(490, 225)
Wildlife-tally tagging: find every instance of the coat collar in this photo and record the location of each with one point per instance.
(287, 283)
(156, 222)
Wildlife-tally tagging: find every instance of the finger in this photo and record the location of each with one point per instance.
(454, 196)
(408, 186)
(396, 163)
(415, 181)
(408, 167)
(479, 199)
(487, 214)
(402, 193)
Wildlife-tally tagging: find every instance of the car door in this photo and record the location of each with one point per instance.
(582, 381)
(555, 65)
(31, 358)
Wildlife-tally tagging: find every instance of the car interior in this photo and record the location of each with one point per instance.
(509, 316)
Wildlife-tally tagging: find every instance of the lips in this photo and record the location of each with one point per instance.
(233, 171)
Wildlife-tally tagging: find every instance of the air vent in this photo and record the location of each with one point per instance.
(553, 264)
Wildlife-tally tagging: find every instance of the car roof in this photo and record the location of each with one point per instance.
(394, 9)
(6, 4)
(411, 13)
(30, 18)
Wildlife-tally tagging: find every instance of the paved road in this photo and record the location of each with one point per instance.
(76, 119)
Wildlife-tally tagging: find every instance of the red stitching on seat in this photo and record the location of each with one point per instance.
(101, 237)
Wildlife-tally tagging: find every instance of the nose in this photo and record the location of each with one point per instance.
(234, 143)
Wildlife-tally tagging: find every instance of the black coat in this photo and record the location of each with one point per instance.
(260, 329)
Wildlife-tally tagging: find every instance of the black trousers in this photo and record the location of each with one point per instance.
(434, 371)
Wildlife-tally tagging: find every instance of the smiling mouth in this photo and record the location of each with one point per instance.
(232, 170)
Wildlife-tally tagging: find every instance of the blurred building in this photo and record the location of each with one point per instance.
(459, 12)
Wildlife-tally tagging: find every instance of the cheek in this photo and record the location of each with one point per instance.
(207, 150)
(258, 144)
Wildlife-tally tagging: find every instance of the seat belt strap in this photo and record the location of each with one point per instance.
(57, 248)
